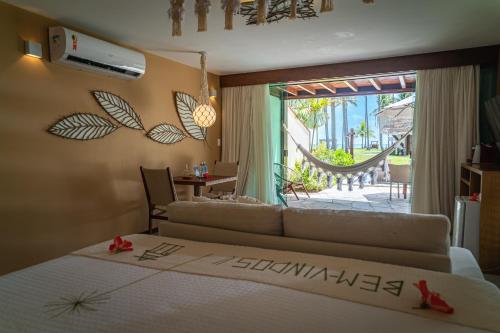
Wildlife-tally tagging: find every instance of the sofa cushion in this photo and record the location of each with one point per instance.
(229, 198)
(249, 200)
(424, 260)
(259, 219)
(416, 232)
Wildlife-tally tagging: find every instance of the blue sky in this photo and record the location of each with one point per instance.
(355, 115)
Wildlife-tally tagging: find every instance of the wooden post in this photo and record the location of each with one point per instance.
(408, 145)
(351, 141)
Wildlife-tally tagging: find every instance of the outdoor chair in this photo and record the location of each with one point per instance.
(160, 191)
(224, 169)
(399, 174)
(289, 180)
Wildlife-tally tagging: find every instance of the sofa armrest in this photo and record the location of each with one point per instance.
(463, 263)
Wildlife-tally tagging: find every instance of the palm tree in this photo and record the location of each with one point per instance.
(312, 113)
(402, 96)
(333, 121)
(360, 131)
(327, 132)
(365, 133)
(367, 124)
(382, 101)
(346, 100)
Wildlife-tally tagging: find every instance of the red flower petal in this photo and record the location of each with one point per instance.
(432, 299)
(120, 245)
(422, 286)
(438, 304)
(118, 240)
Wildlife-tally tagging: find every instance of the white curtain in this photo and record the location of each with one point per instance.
(445, 129)
(246, 137)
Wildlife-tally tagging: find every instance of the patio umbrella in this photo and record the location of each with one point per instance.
(397, 118)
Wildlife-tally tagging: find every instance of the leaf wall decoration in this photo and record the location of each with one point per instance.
(166, 134)
(117, 108)
(82, 126)
(185, 105)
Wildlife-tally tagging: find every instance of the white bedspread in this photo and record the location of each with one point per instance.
(42, 299)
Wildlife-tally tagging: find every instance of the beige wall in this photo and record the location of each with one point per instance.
(58, 195)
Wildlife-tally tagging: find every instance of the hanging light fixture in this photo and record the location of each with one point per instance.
(204, 115)
(176, 13)
(254, 11)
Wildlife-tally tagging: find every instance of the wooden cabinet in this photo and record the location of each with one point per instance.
(485, 179)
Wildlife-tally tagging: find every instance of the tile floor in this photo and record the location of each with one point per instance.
(370, 198)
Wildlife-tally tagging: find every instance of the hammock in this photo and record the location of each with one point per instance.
(351, 172)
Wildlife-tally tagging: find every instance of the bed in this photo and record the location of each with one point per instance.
(175, 285)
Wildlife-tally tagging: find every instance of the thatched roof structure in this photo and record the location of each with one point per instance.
(397, 118)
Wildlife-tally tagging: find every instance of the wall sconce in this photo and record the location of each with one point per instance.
(33, 49)
(212, 92)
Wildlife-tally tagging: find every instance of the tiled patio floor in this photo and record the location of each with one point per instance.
(371, 198)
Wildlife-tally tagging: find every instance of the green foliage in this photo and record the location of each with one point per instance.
(364, 131)
(383, 101)
(311, 112)
(311, 183)
(361, 155)
(335, 157)
(402, 96)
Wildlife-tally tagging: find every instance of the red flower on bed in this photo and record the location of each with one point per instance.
(120, 245)
(432, 300)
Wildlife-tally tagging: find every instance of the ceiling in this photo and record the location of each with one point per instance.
(353, 31)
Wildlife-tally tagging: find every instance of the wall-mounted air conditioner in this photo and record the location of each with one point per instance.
(80, 51)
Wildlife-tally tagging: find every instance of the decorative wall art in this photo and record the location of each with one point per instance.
(166, 133)
(88, 126)
(256, 11)
(185, 105)
(118, 109)
(83, 126)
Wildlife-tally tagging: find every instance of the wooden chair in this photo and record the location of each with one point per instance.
(399, 174)
(160, 191)
(288, 180)
(229, 169)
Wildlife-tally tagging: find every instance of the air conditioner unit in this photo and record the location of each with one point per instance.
(80, 51)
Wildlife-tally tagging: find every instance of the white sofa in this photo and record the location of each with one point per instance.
(415, 240)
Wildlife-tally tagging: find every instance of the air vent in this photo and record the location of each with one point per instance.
(101, 65)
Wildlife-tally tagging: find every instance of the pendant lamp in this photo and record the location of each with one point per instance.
(204, 114)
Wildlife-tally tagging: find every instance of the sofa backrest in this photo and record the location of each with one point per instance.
(415, 232)
(402, 239)
(257, 219)
(424, 260)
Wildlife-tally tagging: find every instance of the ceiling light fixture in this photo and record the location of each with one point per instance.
(255, 11)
